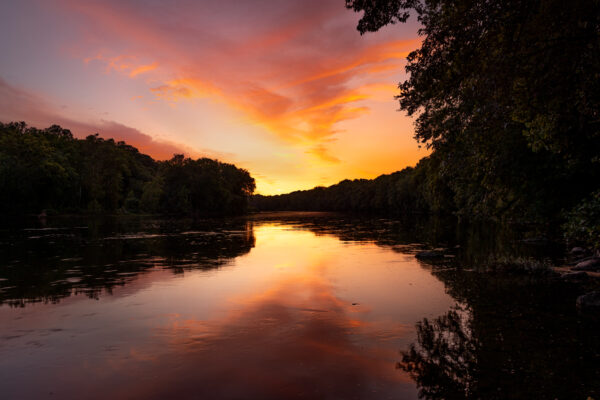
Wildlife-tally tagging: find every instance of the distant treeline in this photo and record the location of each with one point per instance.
(506, 93)
(412, 190)
(48, 169)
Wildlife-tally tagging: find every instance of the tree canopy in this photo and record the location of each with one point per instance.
(507, 93)
(48, 169)
(412, 190)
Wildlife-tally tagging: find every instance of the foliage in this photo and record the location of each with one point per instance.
(583, 222)
(48, 169)
(507, 94)
(406, 191)
(205, 184)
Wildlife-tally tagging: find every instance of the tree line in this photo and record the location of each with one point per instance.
(506, 94)
(410, 191)
(50, 170)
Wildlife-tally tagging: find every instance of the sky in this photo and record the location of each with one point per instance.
(288, 90)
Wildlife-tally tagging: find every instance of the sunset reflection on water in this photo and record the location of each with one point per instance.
(300, 316)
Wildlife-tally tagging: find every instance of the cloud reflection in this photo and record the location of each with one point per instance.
(295, 341)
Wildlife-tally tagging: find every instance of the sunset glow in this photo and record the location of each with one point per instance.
(287, 90)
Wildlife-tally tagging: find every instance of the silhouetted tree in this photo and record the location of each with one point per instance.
(412, 190)
(506, 93)
(49, 169)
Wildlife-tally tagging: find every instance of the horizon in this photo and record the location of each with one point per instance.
(246, 84)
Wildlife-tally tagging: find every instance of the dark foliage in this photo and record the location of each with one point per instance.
(48, 169)
(507, 95)
(583, 224)
(412, 190)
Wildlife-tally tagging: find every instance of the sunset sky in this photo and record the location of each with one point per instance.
(286, 89)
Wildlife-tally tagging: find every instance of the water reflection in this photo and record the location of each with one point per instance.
(295, 341)
(282, 306)
(293, 314)
(445, 359)
(92, 256)
(513, 337)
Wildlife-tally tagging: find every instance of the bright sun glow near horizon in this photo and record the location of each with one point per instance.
(288, 90)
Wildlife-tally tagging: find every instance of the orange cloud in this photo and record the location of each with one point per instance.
(322, 153)
(142, 68)
(123, 63)
(296, 77)
(371, 57)
(302, 111)
(172, 93)
(179, 89)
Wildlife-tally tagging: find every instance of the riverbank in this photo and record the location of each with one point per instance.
(579, 268)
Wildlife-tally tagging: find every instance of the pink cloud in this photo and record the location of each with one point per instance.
(291, 67)
(20, 105)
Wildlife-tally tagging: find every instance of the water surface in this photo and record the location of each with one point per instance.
(278, 306)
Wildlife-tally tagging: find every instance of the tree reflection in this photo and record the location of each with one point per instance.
(445, 359)
(513, 337)
(94, 256)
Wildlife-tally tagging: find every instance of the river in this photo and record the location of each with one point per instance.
(282, 306)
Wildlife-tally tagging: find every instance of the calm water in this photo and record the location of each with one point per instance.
(280, 306)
